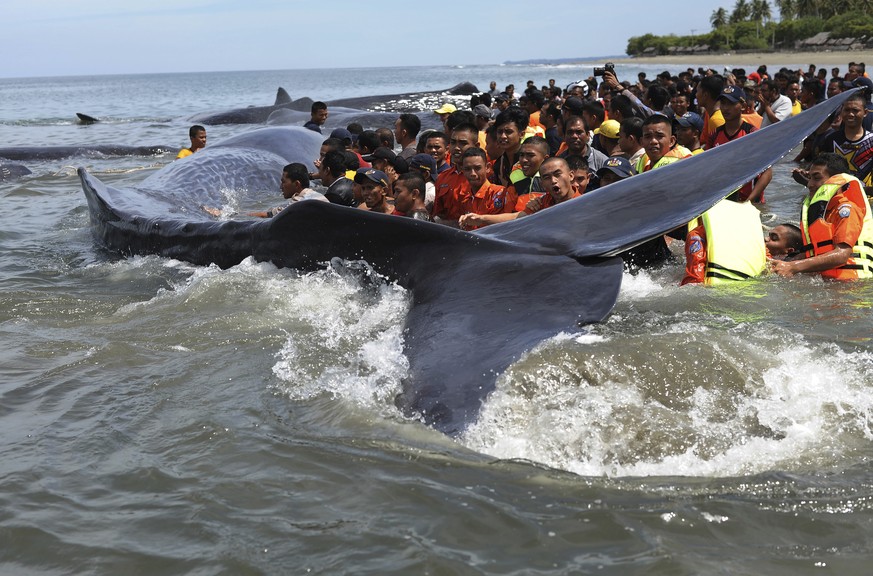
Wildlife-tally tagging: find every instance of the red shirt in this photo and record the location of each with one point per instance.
(452, 197)
(719, 137)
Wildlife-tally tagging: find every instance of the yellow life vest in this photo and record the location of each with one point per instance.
(734, 242)
(819, 235)
(675, 154)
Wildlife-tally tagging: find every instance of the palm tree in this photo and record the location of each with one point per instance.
(741, 12)
(760, 12)
(787, 9)
(807, 8)
(719, 18)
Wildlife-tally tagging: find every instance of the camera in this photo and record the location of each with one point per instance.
(608, 67)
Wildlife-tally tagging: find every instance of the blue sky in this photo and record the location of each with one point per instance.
(81, 37)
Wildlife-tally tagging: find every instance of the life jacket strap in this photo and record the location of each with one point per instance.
(725, 274)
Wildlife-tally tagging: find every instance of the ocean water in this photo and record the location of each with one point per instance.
(164, 418)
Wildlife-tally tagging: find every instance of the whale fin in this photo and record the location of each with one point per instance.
(282, 97)
(632, 211)
(85, 119)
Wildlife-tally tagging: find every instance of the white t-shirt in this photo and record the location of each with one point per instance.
(781, 108)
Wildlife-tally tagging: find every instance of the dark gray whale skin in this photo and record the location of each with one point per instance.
(25, 153)
(260, 114)
(364, 102)
(341, 117)
(479, 300)
(249, 115)
(10, 171)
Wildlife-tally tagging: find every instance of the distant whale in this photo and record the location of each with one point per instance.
(12, 171)
(404, 102)
(250, 115)
(393, 102)
(479, 300)
(85, 119)
(24, 153)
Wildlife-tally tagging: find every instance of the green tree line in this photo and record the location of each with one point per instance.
(750, 25)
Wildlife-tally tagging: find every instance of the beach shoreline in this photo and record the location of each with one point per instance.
(755, 59)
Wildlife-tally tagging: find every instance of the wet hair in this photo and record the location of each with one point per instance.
(459, 117)
(351, 161)
(475, 151)
(298, 172)
(576, 162)
(334, 162)
(712, 85)
(595, 109)
(195, 129)
(316, 106)
(413, 181)
(632, 127)
(537, 142)
(411, 123)
(513, 115)
(833, 163)
(386, 137)
(368, 140)
(794, 236)
(335, 143)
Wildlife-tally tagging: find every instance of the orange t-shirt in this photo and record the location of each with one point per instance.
(452, 195)
(493, 199)
(695, 256)
(847, 219)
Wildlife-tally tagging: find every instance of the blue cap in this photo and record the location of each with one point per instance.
(618, 165)
(369, 174)
(691, 120)
(733, 94)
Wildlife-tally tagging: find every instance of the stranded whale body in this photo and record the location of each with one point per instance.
(250, 115)
(472, 313)
(25, 153)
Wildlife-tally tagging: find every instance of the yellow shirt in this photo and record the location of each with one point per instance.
(184, 153)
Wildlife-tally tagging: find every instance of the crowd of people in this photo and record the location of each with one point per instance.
(511, 155)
